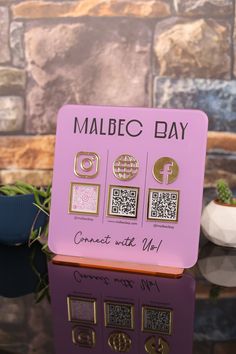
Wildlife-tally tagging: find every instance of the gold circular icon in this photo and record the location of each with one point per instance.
(120, 342)
(150, 346)
(86, 164)
(125, 167)
(165, 170)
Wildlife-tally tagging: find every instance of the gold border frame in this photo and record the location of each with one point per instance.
(78, 298)
(72, 184)
(93, 336)
(76, 163)
(108, 202)
(119, 303)
(162, 190)
(127, 179)
(144, 307)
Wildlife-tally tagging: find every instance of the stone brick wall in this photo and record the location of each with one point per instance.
(176, 53)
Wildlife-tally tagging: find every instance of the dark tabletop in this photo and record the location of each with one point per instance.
(39, 313)
(26, 314)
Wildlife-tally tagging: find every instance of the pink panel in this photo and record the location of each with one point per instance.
(126, 202)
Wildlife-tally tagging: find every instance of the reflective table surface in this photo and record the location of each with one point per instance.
(82, 310)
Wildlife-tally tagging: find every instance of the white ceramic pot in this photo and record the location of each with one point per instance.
(219, 223)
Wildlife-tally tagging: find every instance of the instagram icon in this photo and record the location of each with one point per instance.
(86, 164)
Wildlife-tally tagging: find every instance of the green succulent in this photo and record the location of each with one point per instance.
(224, 193)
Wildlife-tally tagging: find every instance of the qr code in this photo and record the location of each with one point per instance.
(163, 205)
(123, 201)
(81, 309)
(157, 320)
(119, 315)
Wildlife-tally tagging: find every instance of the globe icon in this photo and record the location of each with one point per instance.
(125, 167)
(119, 342)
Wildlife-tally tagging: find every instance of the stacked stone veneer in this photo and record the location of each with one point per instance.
(178, 53)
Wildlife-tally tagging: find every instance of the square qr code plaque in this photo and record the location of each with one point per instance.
(119, 315)
(157, 320)
(123, 201)
(81, 310)
(163, 205)
(84, 198)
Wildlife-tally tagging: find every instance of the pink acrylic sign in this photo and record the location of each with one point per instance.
(128, 184)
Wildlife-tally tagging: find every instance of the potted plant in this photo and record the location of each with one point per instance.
(24, 211)
(219, 217)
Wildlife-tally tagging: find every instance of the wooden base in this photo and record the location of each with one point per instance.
(130, 267)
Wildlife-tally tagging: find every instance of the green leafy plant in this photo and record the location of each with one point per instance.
(42, 200)
(42, 289)
(17, 189)
(224, 193)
